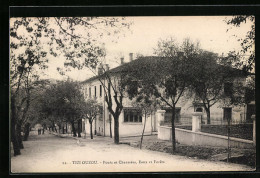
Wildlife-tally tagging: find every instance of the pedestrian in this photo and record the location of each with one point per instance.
(39, 131)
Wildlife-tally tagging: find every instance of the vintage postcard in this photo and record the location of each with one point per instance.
(132, 94)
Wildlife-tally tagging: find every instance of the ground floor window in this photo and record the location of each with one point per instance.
(249, 112)
(132, 115)
(227, 114)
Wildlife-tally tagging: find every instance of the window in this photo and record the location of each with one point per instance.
(227, 114)
(199, 109)
(132, 115)
(89, 90)
(100, 90)
(228, 88)
(95, 91)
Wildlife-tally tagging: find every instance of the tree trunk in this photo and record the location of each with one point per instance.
(19, 135)
(143, 131)
(151, 123)
(116, 129)
(73, 129)
(26, 131)
(59, 125)
(91, 132)
(110, 126)
(173, 130)
(79, 128)
(14, 140)
(95, 132)
(63, 129)
(208, 115)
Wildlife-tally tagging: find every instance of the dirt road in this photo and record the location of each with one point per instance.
(50, 153)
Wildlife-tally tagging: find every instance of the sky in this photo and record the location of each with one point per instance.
(210, 31)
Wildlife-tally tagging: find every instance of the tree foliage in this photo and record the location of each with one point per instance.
(147, 104)
(33, 40)
(84, 51)
(208, 80)
(245, 58)
(168, 76)
(64, 102)
(92, 109)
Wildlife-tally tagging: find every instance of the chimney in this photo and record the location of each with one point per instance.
(130, 57)
(122, 60)
(100, 70)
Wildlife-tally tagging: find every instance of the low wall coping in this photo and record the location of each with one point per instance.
(197, 114)
(212, 135)
(131, 123)
(161, 111)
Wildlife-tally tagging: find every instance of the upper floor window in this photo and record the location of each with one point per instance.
(228, 88)
(100, 90)
(89, 90)
(86, 92)
(95, 91)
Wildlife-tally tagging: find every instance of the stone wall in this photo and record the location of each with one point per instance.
(204, 139)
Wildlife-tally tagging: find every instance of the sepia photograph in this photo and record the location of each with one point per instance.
(100, 94)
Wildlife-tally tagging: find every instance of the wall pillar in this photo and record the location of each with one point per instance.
(254, 129)
(160, 116)
(196, 121)
(196, 125)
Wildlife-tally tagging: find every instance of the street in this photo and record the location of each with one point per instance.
(51, 153)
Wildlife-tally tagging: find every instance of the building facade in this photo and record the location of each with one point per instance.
(132, 121)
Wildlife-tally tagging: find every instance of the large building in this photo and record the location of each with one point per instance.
(131, 120)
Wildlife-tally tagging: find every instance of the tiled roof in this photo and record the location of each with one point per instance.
(143, 61)
(127, 66)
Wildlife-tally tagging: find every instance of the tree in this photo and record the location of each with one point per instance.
(82, 50)
(147, 104)
(247, 44)
(168, 76)
(26, 58)
(208, 80)
(91, 112)
(114, 87)
(34, 114)
(77, 38)
(141, 97)
(64, 102)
